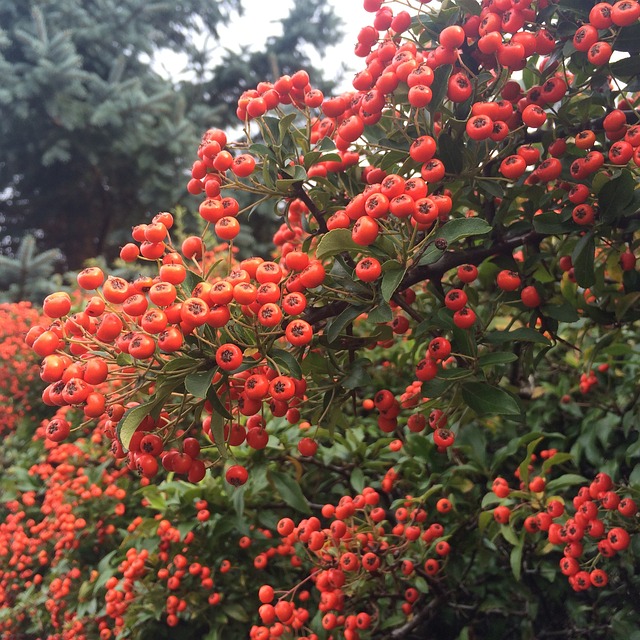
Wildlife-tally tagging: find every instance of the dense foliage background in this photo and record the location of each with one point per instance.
(419, 419)
(93, 137)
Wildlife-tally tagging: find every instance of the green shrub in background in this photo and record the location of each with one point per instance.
(419, 420)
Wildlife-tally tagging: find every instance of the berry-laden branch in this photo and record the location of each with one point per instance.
(443, 171)
(318, 215)
(424, 613)
(475, 256)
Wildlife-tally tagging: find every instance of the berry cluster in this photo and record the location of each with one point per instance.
(362, 542)
(598, 528)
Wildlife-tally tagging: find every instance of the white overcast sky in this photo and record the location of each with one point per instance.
(260, 20)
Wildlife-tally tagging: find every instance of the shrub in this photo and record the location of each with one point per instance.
(417, 418)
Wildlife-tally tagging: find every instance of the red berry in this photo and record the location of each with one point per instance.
(236, 475)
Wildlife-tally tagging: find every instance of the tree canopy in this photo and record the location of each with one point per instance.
(92, 135)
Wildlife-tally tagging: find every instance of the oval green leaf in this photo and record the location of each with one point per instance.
(485, 399)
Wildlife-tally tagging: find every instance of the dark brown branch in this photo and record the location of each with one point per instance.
(418, 619)
(433, 272)
(475, 256)
(315, 315)
(596, 124)
(345, 472)
(311, 205)
(405, 306)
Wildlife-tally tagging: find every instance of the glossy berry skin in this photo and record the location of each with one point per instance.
(502, 514)
(299, 332)
(464, 318)
(236, 475)
(57, 430)
(467, 273)
(455, 299)
(530, 297)
(439, 348)
(307, 447)
(368, 269)
(628, 261)
(508, 280)
(229, 357)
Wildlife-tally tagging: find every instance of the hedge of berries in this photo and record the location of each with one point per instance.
(19, 395)
(453, 232)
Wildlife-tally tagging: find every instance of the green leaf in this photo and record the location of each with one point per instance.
(287, 362)
(625, 303)
(156, 499)
(236, 611)
(436, 387)
(198, 384)
(583, 259)
(238, 505)
(311, 158)
(391, 278)
(381, 313)
(330, 157)
(470, 6)
(631, 281)
(500, 357)
(338, 324)
(191, 281)
(259, 149)
(626, 68)
(450, 152)
(490, 187)
(284, 125)
(124, 360)
(515, 560)
(432, 254)
(217, 432)
(358, 375)
(285, 186)
(629, 39)
(564, 481)
(523, 469)
(509, 534)
(485, 519)
(132, 418)
(334, 242)
(485, 399)
(357, 479)
(454, 374)
(634, 476)
(616, 195)
(391, 159)
(562, 312)
(551, 223)
(459, 228)
(421, 585)
(557, 458)
(524, 334)
(216, 403)
(269, 173)
(326, 144)
(440, 85)
(178, 364)
(290, 491)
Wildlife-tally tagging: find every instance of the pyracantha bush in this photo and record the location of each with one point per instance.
(457, 239)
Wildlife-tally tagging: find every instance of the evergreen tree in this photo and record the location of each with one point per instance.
(92, 136)
(28, 275)
(311, 26)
